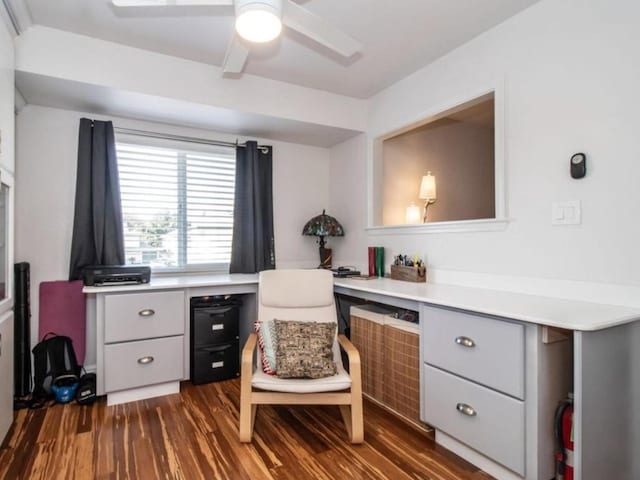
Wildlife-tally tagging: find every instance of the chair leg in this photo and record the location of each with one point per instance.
(353, 421)
(247, 410)
(357, 421)
(356, 418)
(247, 420)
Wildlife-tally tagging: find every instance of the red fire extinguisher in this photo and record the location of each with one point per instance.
(564, 439)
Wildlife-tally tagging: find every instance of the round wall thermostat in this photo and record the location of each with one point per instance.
(578, 165)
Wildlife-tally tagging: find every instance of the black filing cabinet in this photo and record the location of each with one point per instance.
(214, 338)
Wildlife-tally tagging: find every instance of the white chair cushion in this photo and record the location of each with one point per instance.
(296, 288)
(340, 381)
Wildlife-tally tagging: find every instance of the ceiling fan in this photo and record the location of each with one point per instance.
(260, 21)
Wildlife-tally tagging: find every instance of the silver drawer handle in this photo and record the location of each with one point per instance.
(145, 360)
(147, 312)
(465, 342)
(466, 409)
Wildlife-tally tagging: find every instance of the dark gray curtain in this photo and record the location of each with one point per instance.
(252, 248)
(97, 225)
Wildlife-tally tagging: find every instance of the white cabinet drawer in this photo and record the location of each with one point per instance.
(484, 350)
(137, 316)
(136, 364)
(493, 423)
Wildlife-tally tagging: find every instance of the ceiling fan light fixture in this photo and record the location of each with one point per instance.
(258, 20)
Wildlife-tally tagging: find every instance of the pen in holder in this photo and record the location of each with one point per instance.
(408, 270)
(409, 274)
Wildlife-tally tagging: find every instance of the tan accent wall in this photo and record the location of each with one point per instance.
(459, 154)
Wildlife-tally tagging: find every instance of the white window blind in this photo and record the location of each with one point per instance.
(177, 204)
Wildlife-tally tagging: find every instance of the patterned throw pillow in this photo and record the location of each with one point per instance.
(266, 331)
(304, 349)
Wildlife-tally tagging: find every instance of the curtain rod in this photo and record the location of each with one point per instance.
(180, 138)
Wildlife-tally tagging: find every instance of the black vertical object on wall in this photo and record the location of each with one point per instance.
(97, 225)
(252, 248)
(22, 331)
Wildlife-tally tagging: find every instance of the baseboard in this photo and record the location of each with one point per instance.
(470, 455)
(134, 394)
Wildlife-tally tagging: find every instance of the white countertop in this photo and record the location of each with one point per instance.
(554, 312)
(180, 281)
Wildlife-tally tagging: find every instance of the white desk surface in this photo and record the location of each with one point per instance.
(554, 312)
(180, 281)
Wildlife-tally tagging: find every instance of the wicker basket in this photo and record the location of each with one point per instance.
(367, 332)
(401, 356)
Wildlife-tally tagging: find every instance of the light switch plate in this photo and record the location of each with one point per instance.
(566, 213)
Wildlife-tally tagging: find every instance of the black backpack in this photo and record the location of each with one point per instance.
(53, 357)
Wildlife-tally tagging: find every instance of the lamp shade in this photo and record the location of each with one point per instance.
(428, 187)
(323, 225)
(258, 20)
(413, 214)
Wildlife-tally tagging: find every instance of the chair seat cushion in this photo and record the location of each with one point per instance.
(339, 381)
(304, 349)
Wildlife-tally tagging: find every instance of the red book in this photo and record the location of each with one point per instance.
(372, 261)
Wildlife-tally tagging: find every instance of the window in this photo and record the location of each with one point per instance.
(177, 203)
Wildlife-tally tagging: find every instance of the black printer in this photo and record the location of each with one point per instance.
(100, 275)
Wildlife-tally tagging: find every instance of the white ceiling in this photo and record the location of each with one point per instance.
(399, 36)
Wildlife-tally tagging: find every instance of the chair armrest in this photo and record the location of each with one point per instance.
(247, 354)
(352, 352)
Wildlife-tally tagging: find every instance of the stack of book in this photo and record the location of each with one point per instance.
(376, 261)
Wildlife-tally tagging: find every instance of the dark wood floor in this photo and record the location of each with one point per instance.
(194, 436)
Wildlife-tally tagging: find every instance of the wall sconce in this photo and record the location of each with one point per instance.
(413, 214)
(427, 192)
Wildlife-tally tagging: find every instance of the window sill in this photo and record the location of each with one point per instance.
(460, 226)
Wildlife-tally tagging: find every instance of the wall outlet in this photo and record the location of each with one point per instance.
(566, 213)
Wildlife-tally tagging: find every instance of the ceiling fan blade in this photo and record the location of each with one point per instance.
(165, 3)
(236, 56)
(314, 27)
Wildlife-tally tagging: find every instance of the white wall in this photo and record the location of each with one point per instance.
(348, 192)
(7, 149)
(7, 62)
(7, 158)
(45, 190)
(6, 267)
(571, 80)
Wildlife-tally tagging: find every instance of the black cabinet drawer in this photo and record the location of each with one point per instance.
(214, 363)
(214, 325)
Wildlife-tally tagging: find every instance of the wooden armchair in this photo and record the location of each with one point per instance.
(303, 295)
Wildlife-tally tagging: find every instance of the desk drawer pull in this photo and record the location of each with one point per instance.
(145, 360)
(465, 342)
(147, 312)
(467, 410)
